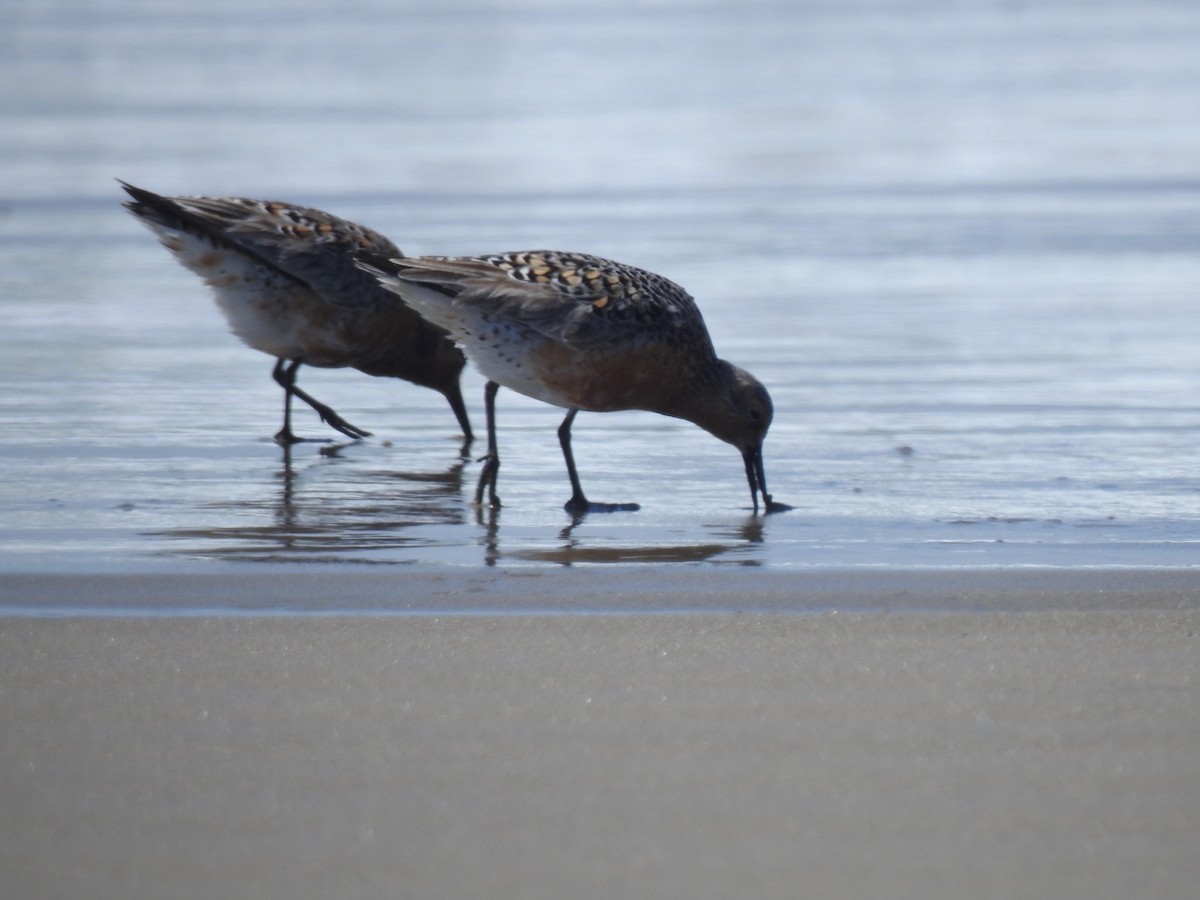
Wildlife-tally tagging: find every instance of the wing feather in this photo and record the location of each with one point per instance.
(572, 298)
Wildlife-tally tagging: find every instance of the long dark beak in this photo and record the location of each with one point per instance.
(757, 477)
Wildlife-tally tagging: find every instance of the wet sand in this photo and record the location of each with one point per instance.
(954, 748)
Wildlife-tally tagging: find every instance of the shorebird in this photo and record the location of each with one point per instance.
(285, 278)
(584, 333)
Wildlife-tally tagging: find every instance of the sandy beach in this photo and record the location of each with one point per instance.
(831, 748)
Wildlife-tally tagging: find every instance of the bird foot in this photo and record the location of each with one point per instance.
(487, 482)
(350, 431)
(771, 506)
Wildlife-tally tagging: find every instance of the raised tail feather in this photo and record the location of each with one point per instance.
(155, 209)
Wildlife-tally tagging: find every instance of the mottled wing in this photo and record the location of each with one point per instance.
(308, 245)
(574, 298)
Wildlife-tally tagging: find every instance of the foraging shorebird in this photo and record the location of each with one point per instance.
(584, 333)
(285, 278)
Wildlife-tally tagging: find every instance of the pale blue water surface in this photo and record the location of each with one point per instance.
(960, 243)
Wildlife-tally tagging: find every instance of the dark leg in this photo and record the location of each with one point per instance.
(579, 504)
(491, 462)
(285, 376)
(454, 395)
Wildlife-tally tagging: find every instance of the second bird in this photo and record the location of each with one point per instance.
(285, 278)
(581, 332)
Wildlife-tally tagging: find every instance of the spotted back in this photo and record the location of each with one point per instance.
(575, 298)
(310, 246)
(294, 229)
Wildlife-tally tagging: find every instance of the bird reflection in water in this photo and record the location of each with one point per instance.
(374, 515)
(574, 549)
(362, 517)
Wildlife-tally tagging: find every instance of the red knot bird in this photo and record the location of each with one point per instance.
(285, 278)
(581, 332)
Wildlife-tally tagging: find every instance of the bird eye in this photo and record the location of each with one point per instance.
(755, 415)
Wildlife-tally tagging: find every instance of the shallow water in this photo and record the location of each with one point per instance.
(958, 243)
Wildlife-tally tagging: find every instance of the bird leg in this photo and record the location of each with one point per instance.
(285, 376)
(579, 504)
(454, 395)
(491, 461)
